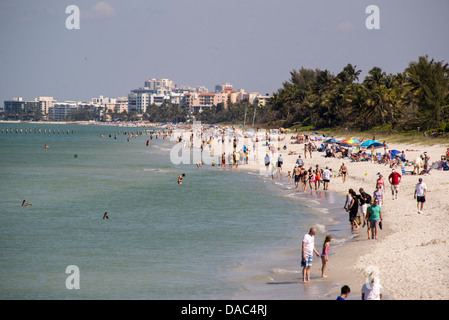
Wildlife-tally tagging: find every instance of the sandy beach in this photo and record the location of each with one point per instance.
(410, 253)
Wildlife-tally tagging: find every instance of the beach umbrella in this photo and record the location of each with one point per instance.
(371, 143)
(349, 142)
(394, 153)
(331, 141)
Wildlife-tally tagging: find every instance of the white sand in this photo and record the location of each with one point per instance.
(411, 252)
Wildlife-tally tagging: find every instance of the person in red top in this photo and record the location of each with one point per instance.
(394, 178)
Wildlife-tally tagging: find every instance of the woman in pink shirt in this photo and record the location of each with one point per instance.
(380, 182)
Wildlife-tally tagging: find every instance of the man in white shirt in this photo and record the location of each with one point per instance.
(308, 248)
(372, 290)
(420, 194)
(326, 178)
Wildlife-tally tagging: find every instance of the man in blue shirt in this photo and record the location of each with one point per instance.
(267, 161)
(344, 293)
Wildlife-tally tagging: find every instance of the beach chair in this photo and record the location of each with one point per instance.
(378, 157)
(321, 148)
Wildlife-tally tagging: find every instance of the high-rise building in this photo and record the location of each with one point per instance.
(155, 84)
(45, 103)
(220, 87)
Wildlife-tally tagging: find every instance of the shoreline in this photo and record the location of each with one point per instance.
(410, 252)
(285, 273)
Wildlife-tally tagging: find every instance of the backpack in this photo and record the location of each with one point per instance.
(368, 198)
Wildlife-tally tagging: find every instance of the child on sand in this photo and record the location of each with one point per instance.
(324, 256)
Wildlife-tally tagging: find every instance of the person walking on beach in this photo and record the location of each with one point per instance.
(379, 195)
(420, 194)
(365, 201)
(311, 178)
(343, 172)
(304, 178)
(372, 290)
(380, 182)
(394, 179)
(326, 178)
(348, 199)
(344, 293)
(374, 216)
(318, 175)
(353, 209)
(279, 166)
(324, 255)
(297, 175)
(299, 161)
(223, 161)
(308, 248)
(267, 161)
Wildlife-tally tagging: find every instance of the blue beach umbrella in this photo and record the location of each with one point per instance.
(371, 143)
(393, 153)
(331, 141)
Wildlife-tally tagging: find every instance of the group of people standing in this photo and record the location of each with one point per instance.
(311, 177)
(371, 290)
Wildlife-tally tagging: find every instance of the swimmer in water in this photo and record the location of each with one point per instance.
(25, 204)
(180, 178)
(105, 216)
(46, 146)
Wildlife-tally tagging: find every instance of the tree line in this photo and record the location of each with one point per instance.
(416, 97)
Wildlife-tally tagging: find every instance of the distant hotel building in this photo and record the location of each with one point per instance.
(155, 92)
(159, 91)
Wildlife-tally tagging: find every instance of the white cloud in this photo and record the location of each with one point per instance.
(345, 27)
(100, 10)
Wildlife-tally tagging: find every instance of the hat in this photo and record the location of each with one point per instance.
(420, 179)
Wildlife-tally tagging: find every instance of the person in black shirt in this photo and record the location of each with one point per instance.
(353, 208)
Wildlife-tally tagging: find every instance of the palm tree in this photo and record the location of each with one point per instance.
(429, 83)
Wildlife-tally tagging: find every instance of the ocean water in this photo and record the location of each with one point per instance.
(219, 235)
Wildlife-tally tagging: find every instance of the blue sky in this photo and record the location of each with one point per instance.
(253, 44)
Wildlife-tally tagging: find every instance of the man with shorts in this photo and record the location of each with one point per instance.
(267, 161)
(308, 248)
(297, 175)
(395, 179)
(420, 194)
(365, 201)
(326, 178)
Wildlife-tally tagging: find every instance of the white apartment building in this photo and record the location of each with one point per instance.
(155, 84)
(60, 111)
(45, 103)
(138, 102)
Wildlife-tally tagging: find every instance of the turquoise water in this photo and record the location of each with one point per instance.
(217, 236)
